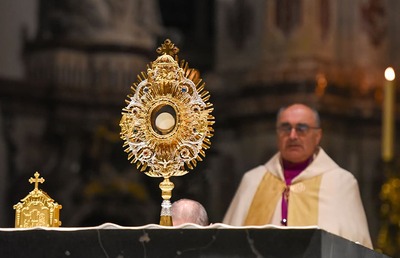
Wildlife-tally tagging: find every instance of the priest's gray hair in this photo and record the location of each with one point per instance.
(189, 211)
(315, 112)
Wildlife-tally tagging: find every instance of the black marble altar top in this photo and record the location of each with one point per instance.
(218, 240)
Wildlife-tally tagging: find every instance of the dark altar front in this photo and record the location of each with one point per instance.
(218, 240)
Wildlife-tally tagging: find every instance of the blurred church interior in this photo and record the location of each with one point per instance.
(66, 68)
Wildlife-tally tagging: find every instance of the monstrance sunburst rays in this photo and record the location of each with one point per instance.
(167, 123)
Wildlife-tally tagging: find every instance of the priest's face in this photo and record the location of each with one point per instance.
(298, 133)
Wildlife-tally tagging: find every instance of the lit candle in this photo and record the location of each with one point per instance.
(388, 109)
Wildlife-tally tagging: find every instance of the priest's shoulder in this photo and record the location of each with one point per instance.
(255, 173)
(341, 175)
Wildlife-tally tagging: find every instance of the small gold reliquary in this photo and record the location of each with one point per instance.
(37, 209)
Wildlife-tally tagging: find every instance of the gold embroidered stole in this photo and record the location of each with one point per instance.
(264, 201)
(303, 201)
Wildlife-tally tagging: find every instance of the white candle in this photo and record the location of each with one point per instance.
(388, 119)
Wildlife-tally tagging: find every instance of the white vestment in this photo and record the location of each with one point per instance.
(340, 209)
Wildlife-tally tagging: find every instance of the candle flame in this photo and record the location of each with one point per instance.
(390, 74)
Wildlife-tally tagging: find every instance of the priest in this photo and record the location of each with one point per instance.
(300, 185)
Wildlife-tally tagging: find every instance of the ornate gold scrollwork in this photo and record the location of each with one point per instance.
(167, 123)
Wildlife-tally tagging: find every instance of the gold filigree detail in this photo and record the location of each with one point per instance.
(168, 48)
(167, 123)
(37, 209)
(167, 89)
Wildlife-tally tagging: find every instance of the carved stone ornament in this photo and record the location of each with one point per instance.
(37, 209)
(167, 123)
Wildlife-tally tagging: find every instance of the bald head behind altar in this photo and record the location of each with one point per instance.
(188, 211)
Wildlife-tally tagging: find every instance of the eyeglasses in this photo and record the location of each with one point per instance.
(301, 129)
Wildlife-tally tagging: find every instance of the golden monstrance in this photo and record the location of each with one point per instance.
(167, 123)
